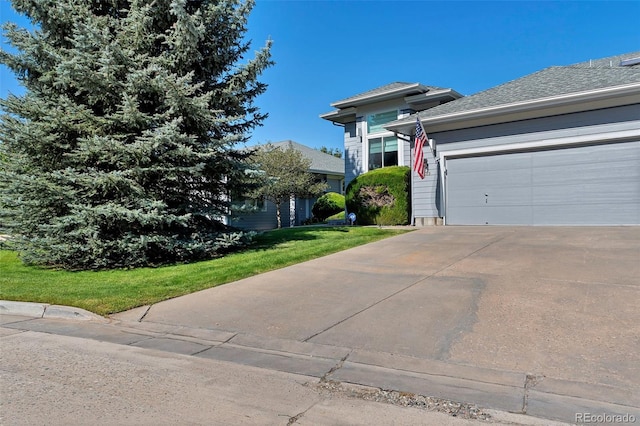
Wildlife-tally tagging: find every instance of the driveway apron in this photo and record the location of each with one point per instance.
(555, 302)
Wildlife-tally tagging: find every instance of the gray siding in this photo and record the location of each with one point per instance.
(407, 150)
(353, 155)
(335, 184)
(261, 220)
(541, 128)
(425, 191)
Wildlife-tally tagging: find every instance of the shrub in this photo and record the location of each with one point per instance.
(381, 197)
(327, 205)
(338, 216)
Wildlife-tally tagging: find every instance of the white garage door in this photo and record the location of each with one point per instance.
(586, 185)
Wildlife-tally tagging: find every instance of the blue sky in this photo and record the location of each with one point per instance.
(329, 50)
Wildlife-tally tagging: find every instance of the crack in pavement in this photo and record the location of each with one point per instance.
(294, 419)
(334, 368)
(530, 381)
(366, 308)
(145, 313)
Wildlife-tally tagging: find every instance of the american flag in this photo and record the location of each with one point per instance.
(418, 155)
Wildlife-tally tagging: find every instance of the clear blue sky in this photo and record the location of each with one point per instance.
(329, 50)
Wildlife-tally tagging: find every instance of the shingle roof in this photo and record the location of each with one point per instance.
(609, 62)
(552, 81)
(320, 162)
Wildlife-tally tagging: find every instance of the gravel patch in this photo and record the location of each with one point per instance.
(403, 399)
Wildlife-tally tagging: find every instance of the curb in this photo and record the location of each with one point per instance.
(45, 310)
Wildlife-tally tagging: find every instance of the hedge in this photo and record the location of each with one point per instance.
(381, 196)
(328, 205)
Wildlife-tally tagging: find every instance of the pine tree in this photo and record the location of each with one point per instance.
(284, 173)
(331, 151)
(122, 151)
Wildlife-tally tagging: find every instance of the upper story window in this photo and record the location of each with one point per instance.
(382, 148)
(375, 122)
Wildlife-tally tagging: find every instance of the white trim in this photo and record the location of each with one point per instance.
(292, 211)
(567, 142)
(544, 143)
(368, 98)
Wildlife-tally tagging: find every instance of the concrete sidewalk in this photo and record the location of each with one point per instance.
(542, 321)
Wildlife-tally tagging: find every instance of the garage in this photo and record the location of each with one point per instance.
(560, 146)
(596, 184)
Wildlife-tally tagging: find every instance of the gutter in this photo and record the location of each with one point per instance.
(432, 95)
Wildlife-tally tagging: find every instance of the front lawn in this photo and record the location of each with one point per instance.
(107, 292)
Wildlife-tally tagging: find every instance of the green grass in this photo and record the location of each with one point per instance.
(107, 292)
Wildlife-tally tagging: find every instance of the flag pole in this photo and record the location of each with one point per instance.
(431, 148)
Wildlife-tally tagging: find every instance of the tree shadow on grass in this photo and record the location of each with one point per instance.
(270, 239)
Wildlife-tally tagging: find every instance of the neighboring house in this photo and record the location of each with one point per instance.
(557, 147)
(367, 144)
(325, 167)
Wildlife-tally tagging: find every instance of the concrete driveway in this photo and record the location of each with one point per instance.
(542, 320)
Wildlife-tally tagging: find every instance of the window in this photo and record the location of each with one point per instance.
(375, 122)
(383, 149)
(383, 152)
(250, 205)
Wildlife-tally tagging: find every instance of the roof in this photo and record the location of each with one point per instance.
(550, 83)
(397, 88)
(320, 162)
(414, 94)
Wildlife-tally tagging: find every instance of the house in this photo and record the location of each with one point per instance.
(325, 167)
(368, 145)
(560, 146)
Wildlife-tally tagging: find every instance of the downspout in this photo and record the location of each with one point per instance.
(443, 178)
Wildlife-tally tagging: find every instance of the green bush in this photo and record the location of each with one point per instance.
(328, 205)
(338, 216)
(381, 197)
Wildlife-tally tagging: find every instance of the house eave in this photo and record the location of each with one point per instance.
(341, 116)
(378, 97)
(554, 105)
(327, 172)
(444, 95)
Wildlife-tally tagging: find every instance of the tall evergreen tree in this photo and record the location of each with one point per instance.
(122, 151)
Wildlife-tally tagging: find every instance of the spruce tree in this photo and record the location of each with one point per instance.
(121, 152)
